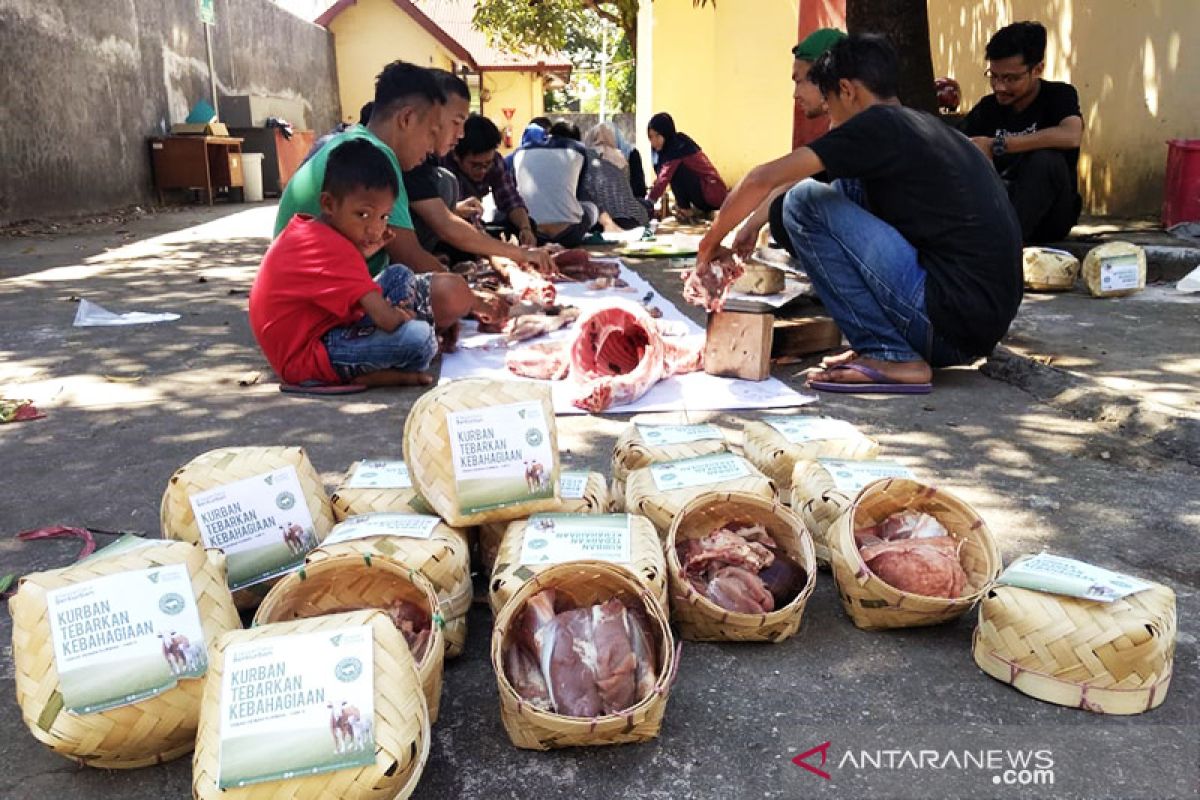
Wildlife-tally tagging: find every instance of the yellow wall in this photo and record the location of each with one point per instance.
(724, 74)
(519, 90)
(371, 34)
(1134, 63)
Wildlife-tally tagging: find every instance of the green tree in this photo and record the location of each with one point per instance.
(550, 24)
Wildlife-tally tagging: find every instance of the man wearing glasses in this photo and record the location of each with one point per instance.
(1031, 129)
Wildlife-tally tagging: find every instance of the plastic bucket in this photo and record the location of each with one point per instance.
(1181, 195)
(252, 176)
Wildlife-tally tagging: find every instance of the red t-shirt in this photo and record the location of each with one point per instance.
(311, 280)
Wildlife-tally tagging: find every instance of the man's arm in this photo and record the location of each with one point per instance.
(752, 191)
(405, 248)
(464, 236)
(509, 200)
(386, 316)
(1066, 135)
(519, 217)
(747, 237)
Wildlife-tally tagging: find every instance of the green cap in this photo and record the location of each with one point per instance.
(816, 43)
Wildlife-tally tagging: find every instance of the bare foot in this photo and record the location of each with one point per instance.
(394, 377)
(840, 358)
(898, 371)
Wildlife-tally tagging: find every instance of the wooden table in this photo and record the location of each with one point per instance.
(196, 162)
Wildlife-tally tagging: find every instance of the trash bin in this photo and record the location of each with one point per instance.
(252, 175)
(1181, 196)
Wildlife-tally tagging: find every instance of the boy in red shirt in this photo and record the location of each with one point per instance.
(320, 319)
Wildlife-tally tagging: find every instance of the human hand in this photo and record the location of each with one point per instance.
(746, 240)
(469, 209)
(448, 338)
(527, 238)
(538, 258)
(388, 235)
(404, 312)
(984, 143)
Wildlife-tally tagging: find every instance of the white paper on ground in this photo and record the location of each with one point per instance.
(91, 315)
(792, 289)
(1190, 282)
(482, 356)
(617, 237)
(1049, 573)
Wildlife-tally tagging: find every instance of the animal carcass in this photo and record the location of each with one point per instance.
(617, 354)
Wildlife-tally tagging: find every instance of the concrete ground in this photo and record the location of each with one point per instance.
(1022, 439)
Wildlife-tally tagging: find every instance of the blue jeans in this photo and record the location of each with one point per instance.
(360, 348)
(865, 273)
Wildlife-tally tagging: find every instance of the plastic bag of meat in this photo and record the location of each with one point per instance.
(580, 662)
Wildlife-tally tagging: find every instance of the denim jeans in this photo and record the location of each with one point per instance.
(360, 348)
(865, 273)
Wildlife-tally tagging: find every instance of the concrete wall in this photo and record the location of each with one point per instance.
(521, 91)
(371, 34)
(724, 74)
(1136, 67)
(87, 81)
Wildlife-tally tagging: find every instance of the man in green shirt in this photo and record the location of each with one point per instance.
(405, 124)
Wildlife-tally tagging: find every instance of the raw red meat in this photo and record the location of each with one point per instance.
(740, 568)
(708, 288)
(739, 590)
(546, 361)
(913, 552)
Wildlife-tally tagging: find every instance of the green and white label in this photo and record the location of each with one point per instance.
(364, 526)
(555, 538)
(380, 475)
(801, 430)
(122, 638)
(501, 456)
(299, 705)
(852, 476)
(699, 471)
(571, 485)
(1057, 575)
(656, 435)
(262, 523)
(1119, 273)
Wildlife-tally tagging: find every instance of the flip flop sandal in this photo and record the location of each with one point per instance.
(881, 384)
(322, 389)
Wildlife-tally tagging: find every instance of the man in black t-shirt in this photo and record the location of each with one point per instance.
(930, 276)
(1031, 129)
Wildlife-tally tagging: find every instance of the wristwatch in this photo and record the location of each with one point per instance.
(999, 145)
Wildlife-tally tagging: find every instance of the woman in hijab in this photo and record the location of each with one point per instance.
(603, 139)
(637, 175)
(681, 163)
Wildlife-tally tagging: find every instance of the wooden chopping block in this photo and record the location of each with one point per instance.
(738, 345)
(803, 336)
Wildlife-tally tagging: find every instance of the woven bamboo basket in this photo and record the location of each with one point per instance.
(1110, 658)
(616, 496)
(818, 501)
(1100, 259)
(229, 465)
(445, 561)
(427, 445)
(595, 500)
(352, 581)
(873, 604)
(701, 620)
(1049, 270)
(585, 582)
(632, 451)
(147, 732)
(643, 497)
(401, 729)
(349, 502)
(646, 561)
(770, 451)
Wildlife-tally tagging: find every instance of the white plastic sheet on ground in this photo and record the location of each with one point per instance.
(91, 315)
(482, 356)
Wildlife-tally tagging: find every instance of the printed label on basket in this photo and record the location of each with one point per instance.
(122, 638)
(262, 523)
(555, 538)
(1057, 575)
(698, 471)
(571, 485)
(678, 434)
(298, 705)
(852, 476)
(364, 526)
(126, 544)
(1119, 273)
(380, 475)
(501, 456)
(799, 430)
